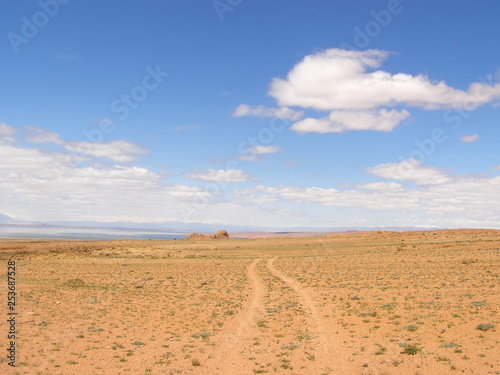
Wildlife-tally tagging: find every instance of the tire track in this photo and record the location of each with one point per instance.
(324, 357)
(235, 336)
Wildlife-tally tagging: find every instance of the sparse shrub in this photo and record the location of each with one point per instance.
(484, 327)
(411, 327)
(75, 283)
(195, 362)
(411, 349)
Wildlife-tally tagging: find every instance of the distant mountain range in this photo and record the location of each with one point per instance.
(181, 227)
(5, 219)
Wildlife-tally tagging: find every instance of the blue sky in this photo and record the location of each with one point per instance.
(261, 113)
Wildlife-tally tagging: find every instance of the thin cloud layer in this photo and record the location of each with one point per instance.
(456, 202)
(6, 133)
(261, 150)
(254, 153)
(380, 186)
(40, 185)
(410, 170)
(470, 138)
(118, 150)
(261, 111)
(218, 175)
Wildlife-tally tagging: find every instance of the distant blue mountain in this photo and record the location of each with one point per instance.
(181, 227)
(6, 219)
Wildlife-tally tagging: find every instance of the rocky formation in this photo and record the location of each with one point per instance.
(221, 234)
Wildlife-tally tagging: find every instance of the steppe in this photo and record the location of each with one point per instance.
(423, 302)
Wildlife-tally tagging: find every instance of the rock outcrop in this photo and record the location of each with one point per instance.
(221, 234)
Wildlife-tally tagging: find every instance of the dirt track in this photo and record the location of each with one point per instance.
(365, 303)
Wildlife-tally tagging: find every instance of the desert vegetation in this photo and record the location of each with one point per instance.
(358, 303)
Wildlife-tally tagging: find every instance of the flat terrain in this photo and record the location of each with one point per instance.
(361, 303)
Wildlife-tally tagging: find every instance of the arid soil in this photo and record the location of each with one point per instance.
(359, 303)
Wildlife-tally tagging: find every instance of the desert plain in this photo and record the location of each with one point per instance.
(424, 302)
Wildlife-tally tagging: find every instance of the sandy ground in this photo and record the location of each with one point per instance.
(360, 303)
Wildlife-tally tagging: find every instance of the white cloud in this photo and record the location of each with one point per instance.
(340, 79)
(410, 170)
(342, 120)
(380, 186)
(119, 151)
(470, 138)
(43, 186)
(497, 168)
(253, 153)
(260, 149)
(248, 157)
(358, 96)
(261, 111)
(219, 175)
(6, 133)
(474, 199)
(186, 128)
(38, 135)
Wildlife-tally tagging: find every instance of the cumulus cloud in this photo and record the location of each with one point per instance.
(410, 170)
(359, 95)
(470, 138)
(341, 79)
(261, 111)
(219, 175)
(339, 121)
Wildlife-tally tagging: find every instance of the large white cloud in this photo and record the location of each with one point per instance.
(360, 96)
(341, 79)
